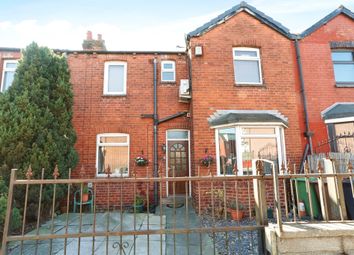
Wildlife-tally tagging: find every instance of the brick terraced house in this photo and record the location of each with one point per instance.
(245, 88)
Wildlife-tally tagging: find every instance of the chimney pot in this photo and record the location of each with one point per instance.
(91, 44)
(89, 35)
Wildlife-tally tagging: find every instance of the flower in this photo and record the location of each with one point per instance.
(207, 160)
(141, 160)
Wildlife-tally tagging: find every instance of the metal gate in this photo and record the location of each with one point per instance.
(120, 216)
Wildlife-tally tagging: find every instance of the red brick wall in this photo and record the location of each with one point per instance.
(214, 87)
(95, 113)
(318, 72)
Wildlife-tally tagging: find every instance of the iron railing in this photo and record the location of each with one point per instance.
(197, 220)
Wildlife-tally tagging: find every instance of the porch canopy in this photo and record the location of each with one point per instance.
(338, 111)
(228, 117)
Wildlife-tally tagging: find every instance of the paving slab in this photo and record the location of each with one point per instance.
(159, 244)
(113, 221)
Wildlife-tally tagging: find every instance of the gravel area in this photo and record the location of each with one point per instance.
(237, 242)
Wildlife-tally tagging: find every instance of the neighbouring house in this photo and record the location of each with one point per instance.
(236, 94)
(8, 62)
(327, 53)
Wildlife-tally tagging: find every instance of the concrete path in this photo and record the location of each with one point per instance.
(183, 244)
(193, 243)
(129, 244)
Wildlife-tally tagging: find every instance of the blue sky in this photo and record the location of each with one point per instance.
(136, 24)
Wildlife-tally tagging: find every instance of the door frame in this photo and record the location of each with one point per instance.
(189, 157)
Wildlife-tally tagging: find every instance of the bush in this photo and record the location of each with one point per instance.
(16, 218)
(36, 122)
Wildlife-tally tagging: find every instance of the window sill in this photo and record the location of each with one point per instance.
(114, 95)
(345, 85)
(168, 82)
(250, 85)
(112, 176)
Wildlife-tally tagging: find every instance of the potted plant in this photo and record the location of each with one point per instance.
(139, 204)
(85, 194)
(207, 160)
(235, 209)
(141, 160)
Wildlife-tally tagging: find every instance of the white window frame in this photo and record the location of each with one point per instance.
(278, 135)
(106, 70)
(257, 58)
(168, 70)
(98, 144)
(4, 70)
(341, 63)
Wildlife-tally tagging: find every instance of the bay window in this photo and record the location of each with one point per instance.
(239, 147)
(345, 136)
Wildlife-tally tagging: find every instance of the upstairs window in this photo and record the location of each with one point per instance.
(247, 66)
(115, 78)
(168, 71)
(8, 74)
(343, 65)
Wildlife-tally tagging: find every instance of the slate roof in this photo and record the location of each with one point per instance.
(338, 110)
(340, 10)
(224, 117)
(243, 6)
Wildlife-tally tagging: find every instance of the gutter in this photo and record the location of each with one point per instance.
(308, 132)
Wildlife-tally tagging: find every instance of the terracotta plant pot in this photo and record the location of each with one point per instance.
(302, 214)
(236, 214)
(63, 209)
(85, 197)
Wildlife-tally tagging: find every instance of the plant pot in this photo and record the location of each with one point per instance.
(85, 197)
(63, 209)
(236, 214)
(302, 214)
(141, 163)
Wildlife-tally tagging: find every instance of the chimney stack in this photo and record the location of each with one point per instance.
(91, 44)
(89, 35)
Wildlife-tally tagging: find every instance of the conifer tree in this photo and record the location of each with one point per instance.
(36, 116)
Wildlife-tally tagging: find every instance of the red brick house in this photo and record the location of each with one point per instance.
(8, 63)
(327, 53)
(242, 94)
(229, 96)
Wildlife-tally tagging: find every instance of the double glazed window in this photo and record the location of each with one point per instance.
(113, 153)
(115, 78)
(168, 71)
(8, 74)
(343, 136)
(247, 66)
(343, 65)
(239, 147)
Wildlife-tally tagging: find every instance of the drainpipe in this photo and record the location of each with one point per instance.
(308, 133)
(156, 123)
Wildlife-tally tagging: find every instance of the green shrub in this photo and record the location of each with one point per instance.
(36, 123)
(16, 218)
